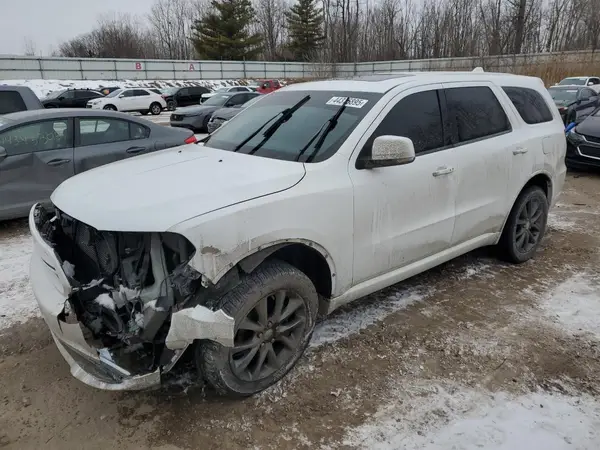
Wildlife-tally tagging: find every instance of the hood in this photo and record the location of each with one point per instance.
(227, 113)
(195, 110)
(156, 191)
(590, 126)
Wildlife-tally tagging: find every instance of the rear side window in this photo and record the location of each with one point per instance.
(476, 112)
(140, 93)
(102, 131)
(417, 117)
(530, 104)
(10, 102)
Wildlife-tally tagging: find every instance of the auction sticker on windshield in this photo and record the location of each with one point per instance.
(352, 102)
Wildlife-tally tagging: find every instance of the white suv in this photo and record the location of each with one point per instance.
(317, 195)
(131, 100)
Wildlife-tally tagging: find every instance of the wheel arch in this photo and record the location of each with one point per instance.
(307, 256)
(540, 179)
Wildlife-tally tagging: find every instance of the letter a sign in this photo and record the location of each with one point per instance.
(192, 67)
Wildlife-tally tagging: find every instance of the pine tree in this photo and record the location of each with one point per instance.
(305, 27)
(222, 34)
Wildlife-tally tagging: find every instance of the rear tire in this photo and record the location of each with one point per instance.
(525, 227)
(275, 309)
(110, 108)
(155, 109)
(205, 124)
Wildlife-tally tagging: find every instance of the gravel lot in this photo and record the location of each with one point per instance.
(472, 354)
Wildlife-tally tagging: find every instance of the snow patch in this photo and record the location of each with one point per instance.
(452, 417)
(575, 305)
(351, 320)
(17, 303)
(557, 220)
(106, 301)
(68, 269)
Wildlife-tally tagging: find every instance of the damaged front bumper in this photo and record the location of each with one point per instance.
(94, 365)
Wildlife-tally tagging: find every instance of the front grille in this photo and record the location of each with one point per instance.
(587, 150)
(93, 251)
(88, 106)
(591, 139)
(176, 117)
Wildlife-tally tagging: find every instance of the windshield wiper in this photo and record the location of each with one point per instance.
(286, 114)
(325, 129)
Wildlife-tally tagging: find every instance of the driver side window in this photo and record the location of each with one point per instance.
(585, 94)
(417, 117)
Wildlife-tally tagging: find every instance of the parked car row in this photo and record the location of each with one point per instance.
(197, 118)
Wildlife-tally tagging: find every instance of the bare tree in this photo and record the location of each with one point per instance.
(270, 21)
(171, 23)
(29, 47)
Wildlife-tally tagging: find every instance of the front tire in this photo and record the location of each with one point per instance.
(110, 108)
(275, 309)
(155, 109)
(525, 227)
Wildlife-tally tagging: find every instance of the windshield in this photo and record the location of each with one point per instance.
(289, 138)
(563, 95)
(114, 93)
(572, 82)
(217, 100)
(223, 89)
(170, 91)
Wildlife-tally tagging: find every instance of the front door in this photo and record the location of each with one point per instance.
(403, 214)
(100, 141)
(36, 158)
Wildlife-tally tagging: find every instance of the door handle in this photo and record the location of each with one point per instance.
(135, 150)
(519, 151)
(443, 171)
(58, 162)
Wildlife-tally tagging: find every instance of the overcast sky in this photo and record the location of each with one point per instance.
(49, 22)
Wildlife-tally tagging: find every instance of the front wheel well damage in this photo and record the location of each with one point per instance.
(303, 257)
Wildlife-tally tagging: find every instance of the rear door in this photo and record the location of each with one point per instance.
(195, 94)
(102, 140)
(82, 97)
(184, 98)
(481, 135)
(141, 99)
(37, 157)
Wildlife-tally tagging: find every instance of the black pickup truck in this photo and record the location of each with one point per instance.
(17, 98)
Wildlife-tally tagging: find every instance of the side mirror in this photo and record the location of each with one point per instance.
(61, 98)
(3, 153)
(389, 151)
(122, 95)
(590, 83)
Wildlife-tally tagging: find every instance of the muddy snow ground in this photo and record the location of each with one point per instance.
(473, 354)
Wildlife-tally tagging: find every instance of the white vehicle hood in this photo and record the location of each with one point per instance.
(156, 191)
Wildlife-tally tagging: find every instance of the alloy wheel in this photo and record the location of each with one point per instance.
(529, 225)
(268, 336)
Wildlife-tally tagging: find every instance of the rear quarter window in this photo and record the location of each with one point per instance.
(530, 104)
(10, 102)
